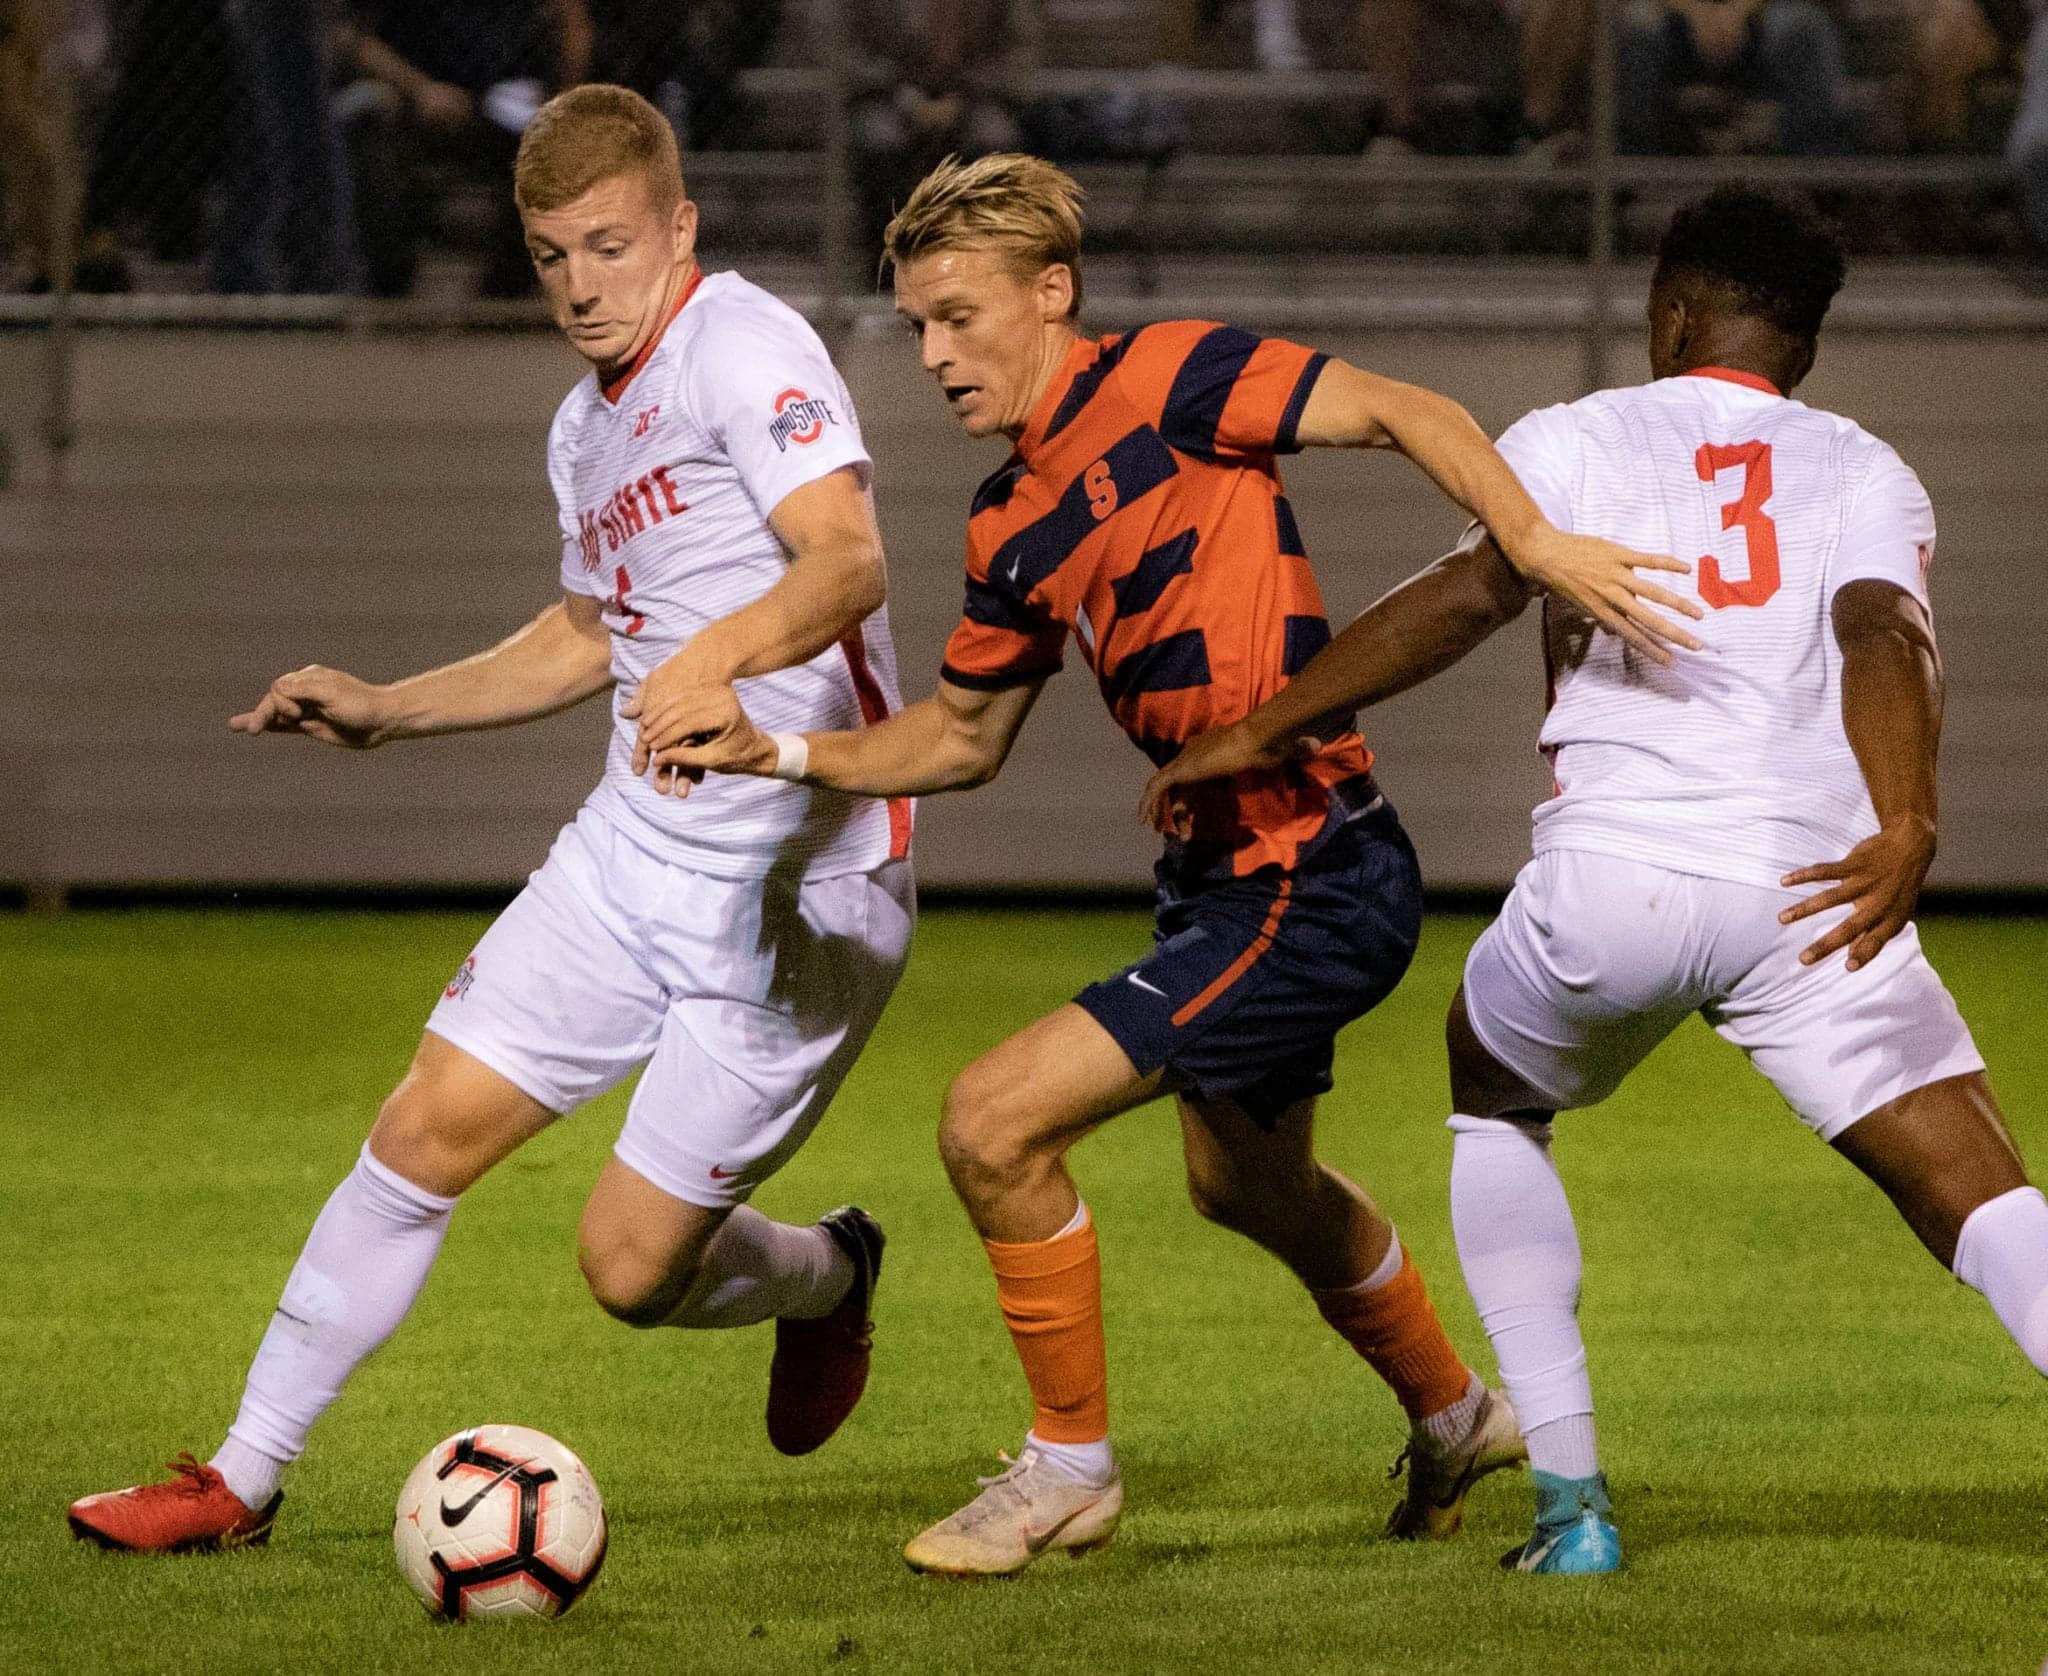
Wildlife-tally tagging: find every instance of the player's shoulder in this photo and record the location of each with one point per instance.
(572, 413)
(1164, 345)
(1552, 430)
(731, 312)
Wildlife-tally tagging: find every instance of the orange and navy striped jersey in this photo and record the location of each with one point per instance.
(1142, 511)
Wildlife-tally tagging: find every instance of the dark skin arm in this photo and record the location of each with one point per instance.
(1891, 709)
(1418, 630)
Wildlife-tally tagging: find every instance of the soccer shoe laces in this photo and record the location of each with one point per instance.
(1011, 1467)
(191, 1475)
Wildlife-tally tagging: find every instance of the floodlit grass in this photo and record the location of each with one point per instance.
(1826, 1455)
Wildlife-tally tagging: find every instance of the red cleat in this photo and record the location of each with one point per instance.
(821, 1366)
(194, 1513)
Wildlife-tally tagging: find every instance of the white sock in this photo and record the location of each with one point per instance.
(1085, 1463)
(1520, 1254)
(757, 1269)
(2003, 1252)
(1566, 1448)
(1448, 1425)
(363, 1265)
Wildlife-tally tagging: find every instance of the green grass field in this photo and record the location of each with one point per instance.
(1826, 1455)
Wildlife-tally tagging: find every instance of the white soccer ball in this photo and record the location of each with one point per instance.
(500, 1522)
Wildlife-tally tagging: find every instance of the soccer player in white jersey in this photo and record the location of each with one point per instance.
(1692, 807)
(716, 526)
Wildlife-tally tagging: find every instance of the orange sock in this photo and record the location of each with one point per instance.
(1394, 1327)
(1051, 1294)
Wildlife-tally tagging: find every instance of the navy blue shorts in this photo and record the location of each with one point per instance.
(1249, 980)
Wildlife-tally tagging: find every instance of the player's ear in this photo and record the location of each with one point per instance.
(1795, 374)
(683, 225)
(1670, 327)
(1055, 290)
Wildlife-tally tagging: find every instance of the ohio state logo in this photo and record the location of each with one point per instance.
(800, 418)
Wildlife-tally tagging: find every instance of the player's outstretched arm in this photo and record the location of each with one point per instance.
(1892, 689)
(836, 578)
(558, 659)
(1416, 630)
(1352, 408)
(953, 740)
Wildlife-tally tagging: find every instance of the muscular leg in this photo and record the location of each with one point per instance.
(653, 1260)
(1519, 1250)
(1942, 1155)
(1268, 1185)
(1009, 1120)
(448, 1121)
(1938, 1153)
(1011, 1116)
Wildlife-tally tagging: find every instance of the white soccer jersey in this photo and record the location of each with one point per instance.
(1733, 764)
(665, 480)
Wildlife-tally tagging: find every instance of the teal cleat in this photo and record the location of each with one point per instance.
(1574, 1535)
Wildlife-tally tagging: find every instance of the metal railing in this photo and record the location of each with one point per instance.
(840, 296)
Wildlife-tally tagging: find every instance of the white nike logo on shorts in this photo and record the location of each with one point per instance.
(1142, 984)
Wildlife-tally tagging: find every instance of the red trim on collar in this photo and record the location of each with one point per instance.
(1729, 375)
(616, 388)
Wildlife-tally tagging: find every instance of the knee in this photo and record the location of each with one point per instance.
(630, 1284)
(430, 1139)
(982, 1140)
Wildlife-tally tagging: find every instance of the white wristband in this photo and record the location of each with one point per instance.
(792, 756)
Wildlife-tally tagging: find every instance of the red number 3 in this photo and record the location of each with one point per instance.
(1759, 533)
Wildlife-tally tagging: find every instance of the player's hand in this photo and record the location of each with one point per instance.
(679, 699)
(1600, 577)
(1880, 879)
(1211, 756)
(325, 704)
(722, 740)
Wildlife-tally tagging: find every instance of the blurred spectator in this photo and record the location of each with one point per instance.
(932, 77)
(1685, 68)
(288, 223)
(449, 84)
(32, 172)
(157, 150)
(2026, 149)
(1954, 43)
(684, 57)
(213, 143)
(1447, 74)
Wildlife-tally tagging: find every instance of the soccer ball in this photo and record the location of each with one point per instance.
(500, 1522)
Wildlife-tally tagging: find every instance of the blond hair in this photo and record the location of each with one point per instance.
(1021, 206)
(591, 133)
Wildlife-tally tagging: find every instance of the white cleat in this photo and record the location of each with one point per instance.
(1026, 1510)
(1441, 1476)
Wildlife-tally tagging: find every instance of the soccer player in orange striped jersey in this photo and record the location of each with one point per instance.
(1141, 511)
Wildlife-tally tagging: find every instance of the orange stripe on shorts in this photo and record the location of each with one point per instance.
(1242, 964)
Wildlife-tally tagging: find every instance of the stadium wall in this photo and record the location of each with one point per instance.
(240, 503)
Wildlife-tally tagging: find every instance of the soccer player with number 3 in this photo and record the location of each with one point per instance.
(1688, 809)
(716, 526)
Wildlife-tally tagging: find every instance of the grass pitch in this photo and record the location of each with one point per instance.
(1826, 1455)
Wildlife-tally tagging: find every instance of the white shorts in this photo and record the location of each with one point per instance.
(1596, 959)
(748, 1000)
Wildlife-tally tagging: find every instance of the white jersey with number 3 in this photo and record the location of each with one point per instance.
(665, 480)
(1733, 764)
